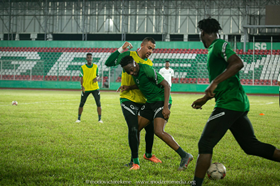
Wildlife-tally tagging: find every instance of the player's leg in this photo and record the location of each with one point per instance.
(130, 112)
(81, 106)
(159, 125)
(96, 95)
(244, 134)
(216, 127)
(144, 121)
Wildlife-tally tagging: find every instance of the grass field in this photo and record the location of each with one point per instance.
(42, 145)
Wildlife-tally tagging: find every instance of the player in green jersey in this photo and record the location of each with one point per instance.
(232, 104)
(157, 92)
(133, 100)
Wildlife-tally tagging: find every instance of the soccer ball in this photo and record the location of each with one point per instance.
(14, 103)
(216, 171)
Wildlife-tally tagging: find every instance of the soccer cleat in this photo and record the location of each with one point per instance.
(185, 162)
(78, 121)
(100, 121)
(129, 164)
(152, 159)
(134, 167)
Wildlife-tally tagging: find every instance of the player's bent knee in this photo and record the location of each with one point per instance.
(159, 133)
(82, 105)
(204, 147)
(133, 130)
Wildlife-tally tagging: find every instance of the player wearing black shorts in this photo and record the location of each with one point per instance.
(232, 104)
(132, 100)
(157, 92)
(89, 84)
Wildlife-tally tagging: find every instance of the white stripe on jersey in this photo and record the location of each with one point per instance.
(224, 51)
(156, 76)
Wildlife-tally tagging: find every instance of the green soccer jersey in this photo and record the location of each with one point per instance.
(229, 94)
(148, 81)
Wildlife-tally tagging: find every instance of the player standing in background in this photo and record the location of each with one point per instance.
(132, 100)
(232, 104)
(89, 85)
(167, 73)
(157, 92)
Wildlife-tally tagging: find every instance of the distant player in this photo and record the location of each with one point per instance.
(89, 85)
(167, 73)
(157, 92)
(232, 104)
(132, 100)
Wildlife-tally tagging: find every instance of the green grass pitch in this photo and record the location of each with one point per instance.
(42, 145)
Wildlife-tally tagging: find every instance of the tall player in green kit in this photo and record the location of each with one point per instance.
(232, 104)
(157, 92)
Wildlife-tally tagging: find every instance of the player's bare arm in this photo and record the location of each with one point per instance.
(82, 87)
(166, 111)
(234, 65)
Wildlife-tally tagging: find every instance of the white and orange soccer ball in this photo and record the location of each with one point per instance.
(14, 103)
(216, 171)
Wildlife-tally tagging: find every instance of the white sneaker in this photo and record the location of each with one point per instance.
(100, 121)
(78, 121)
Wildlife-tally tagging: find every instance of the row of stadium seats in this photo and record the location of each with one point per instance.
(187, 64)
(160, 50)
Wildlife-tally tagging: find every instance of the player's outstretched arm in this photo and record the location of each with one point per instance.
(114, 56)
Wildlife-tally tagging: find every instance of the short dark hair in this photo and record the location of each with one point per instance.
(89, 54)
(146, 39)
(126, 60)
(209, 25)
(167, 61)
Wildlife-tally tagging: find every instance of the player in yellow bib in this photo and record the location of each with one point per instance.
(89, 85)
(132, 100)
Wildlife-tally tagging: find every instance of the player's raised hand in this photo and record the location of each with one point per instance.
(127, 44)
(165, 113)
(123, 88)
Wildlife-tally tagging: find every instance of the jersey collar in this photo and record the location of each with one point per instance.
(89, 66)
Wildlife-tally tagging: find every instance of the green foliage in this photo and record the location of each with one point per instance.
(42, 145)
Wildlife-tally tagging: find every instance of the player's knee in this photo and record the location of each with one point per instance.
(82, 104)
(159, 133)
(252, 150)
(257, 149)
(98, 104)
(133, 130)
(204, 147)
